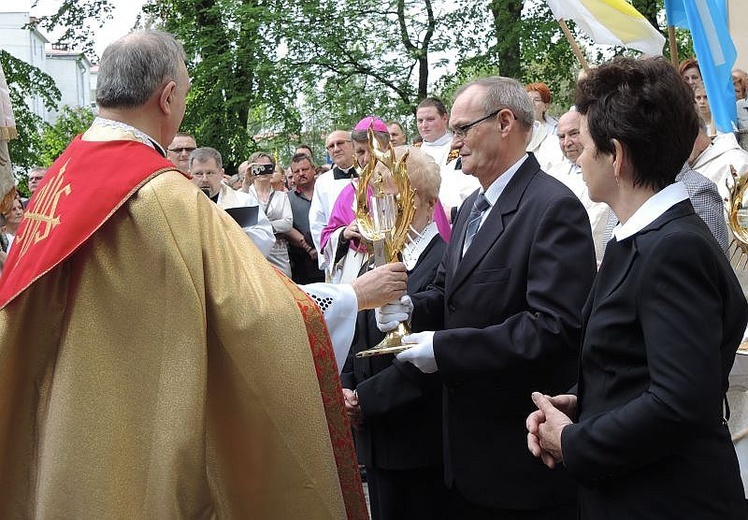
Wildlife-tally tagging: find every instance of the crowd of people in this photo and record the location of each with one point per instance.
(567, 280)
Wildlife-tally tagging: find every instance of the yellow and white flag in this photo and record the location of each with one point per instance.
(611, 22)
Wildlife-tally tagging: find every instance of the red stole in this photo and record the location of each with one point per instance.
(80, 191)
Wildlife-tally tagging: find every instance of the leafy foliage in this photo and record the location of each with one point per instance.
(269, 74)
(26, 82)
(76, 17)
(55, 138)
(239, 96)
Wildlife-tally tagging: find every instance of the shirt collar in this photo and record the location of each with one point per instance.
(446, 138)
(651, 210)
(138, 135)
(496, 188)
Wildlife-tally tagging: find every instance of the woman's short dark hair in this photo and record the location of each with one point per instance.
(648, 108)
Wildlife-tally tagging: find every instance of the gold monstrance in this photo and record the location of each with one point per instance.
(384, 220)
(737, 216)
(737, 219)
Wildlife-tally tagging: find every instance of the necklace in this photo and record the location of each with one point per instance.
(417, 244)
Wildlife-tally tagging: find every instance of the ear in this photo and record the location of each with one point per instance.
(506, 120)
(620, 158)
(166, 98)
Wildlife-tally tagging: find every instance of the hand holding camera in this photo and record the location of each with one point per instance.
(260, 169)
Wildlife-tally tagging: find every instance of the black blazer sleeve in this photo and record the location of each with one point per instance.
(689, 329)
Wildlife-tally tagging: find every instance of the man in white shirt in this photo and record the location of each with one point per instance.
(432, 118)
(568, 172)
(330, 184)
(545, 146)
(206, 168)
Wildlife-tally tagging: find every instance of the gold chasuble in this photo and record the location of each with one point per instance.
(153, 364)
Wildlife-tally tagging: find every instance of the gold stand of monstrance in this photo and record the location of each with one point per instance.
(384, 220)
(737, 219)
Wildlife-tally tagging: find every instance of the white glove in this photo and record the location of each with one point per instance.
(390, 315)
(422, 353)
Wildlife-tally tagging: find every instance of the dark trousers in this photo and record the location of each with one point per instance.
(410, 494)
(459, 508)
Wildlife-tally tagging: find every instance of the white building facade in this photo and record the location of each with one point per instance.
(70, 70)
(27, 45)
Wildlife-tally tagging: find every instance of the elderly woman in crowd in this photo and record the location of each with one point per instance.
(690, 72)
(645, 433)
(13, 218)
(540, 95)
(276, 206)
(398, 434)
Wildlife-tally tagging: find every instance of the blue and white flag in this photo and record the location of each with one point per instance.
(715, 51)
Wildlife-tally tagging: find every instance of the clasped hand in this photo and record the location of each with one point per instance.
(352, 407)
(544, 426)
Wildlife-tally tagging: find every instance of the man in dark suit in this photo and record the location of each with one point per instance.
(503, 314)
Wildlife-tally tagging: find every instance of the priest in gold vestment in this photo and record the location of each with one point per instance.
(152, 363)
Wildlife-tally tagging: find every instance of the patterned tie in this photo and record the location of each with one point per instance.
(480, 205)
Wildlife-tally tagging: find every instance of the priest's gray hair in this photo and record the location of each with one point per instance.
(135, 66)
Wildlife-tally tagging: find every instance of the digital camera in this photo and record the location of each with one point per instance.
(261, 169)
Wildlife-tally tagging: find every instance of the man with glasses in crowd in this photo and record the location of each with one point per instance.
(35, 177)
(329, 185)
(504, 311)
(206, 167)
(180, 149)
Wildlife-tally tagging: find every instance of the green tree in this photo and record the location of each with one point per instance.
(267, 74)
(239, 99)
(77, 18)
(55, 138)
(511, 38)
(362, 57)
(27, 82)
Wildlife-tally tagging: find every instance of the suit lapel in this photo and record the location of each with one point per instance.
(618, 261)
(493, 226)
(615, 267)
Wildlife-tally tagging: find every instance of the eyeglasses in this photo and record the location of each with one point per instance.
(337, 143)
(461, 132)
(188, 149)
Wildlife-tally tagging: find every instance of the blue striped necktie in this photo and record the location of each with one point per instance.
(480, 205)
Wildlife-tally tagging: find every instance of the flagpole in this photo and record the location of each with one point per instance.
(574, 46)
(673, 46)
